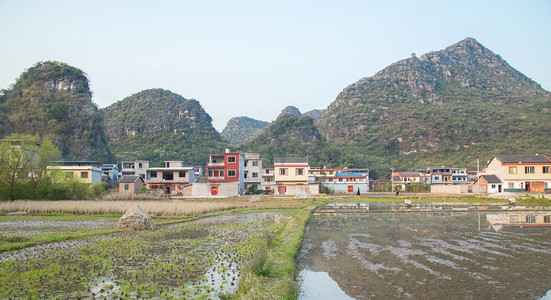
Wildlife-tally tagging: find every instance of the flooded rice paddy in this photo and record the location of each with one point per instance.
(199, 259)
(426, 254)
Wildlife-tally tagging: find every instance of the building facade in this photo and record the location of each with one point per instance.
(84, 171)
(252, 171)
(223, 170)
(137, 167)
(172, 179)
(529, 173)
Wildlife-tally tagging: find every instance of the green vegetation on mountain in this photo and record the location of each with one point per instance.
(159, 125)
(447, 107)
(240, 130)
(288, 136)
(315, 114)
(53, 100)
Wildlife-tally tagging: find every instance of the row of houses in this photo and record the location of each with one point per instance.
(503, 173)
(226, 174)
(233, 173)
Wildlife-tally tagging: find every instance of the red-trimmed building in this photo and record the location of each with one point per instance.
(225, 173)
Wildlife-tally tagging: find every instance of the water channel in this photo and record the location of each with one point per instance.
(454, 252)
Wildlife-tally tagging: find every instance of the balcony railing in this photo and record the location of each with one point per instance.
(215, 178)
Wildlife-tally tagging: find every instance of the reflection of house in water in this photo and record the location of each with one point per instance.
(521, 222)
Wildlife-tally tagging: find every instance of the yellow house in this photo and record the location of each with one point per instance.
(84, 171)
(291, 170)
(528, 173)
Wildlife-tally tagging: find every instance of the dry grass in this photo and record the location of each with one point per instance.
(168, 208)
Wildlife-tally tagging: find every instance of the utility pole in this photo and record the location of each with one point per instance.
(392, 181)
(478, 175)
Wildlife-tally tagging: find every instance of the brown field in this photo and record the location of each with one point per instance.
(168, 208)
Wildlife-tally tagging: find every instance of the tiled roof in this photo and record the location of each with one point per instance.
(128, 179)
(523, 159)
(491, 178)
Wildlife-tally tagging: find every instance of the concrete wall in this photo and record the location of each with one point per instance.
(224, 188)
(342, 188)
(449, 188)
(291, 190)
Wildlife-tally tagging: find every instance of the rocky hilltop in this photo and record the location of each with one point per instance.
(159, 125)
(53, 99)
(462, 97)
(315, 114)
(290, 111)
(239, 130)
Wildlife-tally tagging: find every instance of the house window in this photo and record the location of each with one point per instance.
(514, 219)
(182, 174)
(245, 174)
(255, 175)
(436, 178)
(511, 185)
(255, 163)
(83, 174)
(330, 179)
(530, 219)
(231, 173)
(168, 176)
(547, 219)
(545, 170)
(126, 187)
(299, 171)
(246, 163)
(529, 170)
(153, 174)
(493, 186)
(267, 171)
(231, 159)
(283, 171)
(340, 179)
(139, 166)
(512, 170)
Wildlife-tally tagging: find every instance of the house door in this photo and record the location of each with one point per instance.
(351, 189)
(214, 190)
(499, 188)
(527, 187)
(167, 190)
(281, 190)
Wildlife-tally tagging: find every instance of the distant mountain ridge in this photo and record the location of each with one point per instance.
(462, 97)
(239, 130)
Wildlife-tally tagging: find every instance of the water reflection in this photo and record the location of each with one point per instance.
(427, 255)
(520, 222)
(319, 285)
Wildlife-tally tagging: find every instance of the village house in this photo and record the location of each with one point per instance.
(252, 171)
(317, 174)
(291, 176)
(402, 178)
(268, 179)
(527, 173)
(85, 171)
(225, 176)
(110, 171)
(172, 179)
(130, 184)
(137, 167)
(348, 181)
(488, 184)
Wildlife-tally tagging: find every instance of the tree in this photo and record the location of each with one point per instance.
(23, 162)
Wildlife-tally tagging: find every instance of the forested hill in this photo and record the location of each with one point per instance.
(239, 130)
(53, 99)
(457, 104)
(288, 135)
(159, 125)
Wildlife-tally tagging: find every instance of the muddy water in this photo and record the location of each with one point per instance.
(427, 255)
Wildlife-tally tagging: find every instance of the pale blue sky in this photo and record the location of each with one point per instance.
(253, 58)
